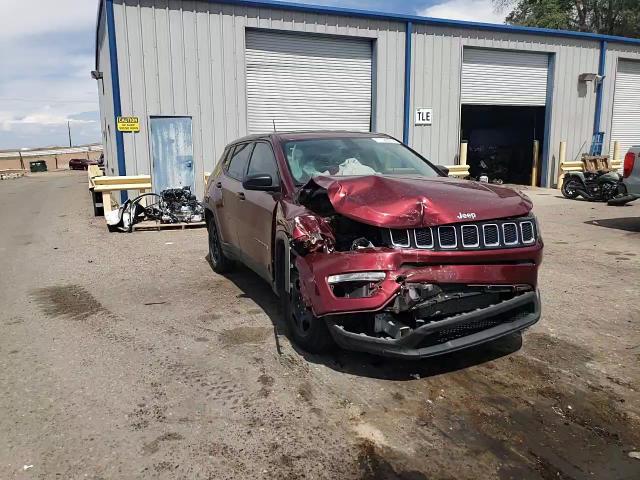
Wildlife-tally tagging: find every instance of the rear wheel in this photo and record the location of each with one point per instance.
(220, 263)
(308, 331)
(570, 188)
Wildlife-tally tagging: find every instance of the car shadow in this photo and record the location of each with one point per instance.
(364, 364)
(628, 224)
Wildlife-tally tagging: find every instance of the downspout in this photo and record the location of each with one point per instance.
(407, 82)
(599, 87)
(115, 86)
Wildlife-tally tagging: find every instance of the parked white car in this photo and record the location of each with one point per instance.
(631, 171)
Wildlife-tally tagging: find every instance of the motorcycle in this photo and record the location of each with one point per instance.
(593, 186)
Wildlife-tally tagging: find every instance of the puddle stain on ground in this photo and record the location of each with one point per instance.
(71, 301)
(244, 335)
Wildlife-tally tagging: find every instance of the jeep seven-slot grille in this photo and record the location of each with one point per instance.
(494, 234)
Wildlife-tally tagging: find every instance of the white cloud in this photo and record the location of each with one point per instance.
(46, 48)
(471, 10)
(33, 17)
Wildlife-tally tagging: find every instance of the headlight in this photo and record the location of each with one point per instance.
(357, 277)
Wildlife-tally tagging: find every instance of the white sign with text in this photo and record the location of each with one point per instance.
(424, 116)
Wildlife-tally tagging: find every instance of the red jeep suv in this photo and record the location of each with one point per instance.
(371, 246)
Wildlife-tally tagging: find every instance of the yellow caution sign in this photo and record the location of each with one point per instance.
(128, 124)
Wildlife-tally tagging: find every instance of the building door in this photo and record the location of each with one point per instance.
(171, 153)
(503, 112)
(625, 127)
(307, 82)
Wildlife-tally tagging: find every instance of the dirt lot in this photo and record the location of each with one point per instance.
(125, 356)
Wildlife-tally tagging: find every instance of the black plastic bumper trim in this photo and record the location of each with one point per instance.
(405, 347)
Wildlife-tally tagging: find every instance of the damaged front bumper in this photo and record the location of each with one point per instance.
(424, 303)
(448, 335)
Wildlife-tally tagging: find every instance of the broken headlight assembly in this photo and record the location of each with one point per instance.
(312, 234)
(355, 285)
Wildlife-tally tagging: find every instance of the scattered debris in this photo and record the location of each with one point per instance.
(635, 455)
(27, 467)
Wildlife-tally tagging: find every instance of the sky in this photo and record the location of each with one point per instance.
(47, 54)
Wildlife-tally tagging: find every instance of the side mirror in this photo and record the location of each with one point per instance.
(260, 182)
(442, 169)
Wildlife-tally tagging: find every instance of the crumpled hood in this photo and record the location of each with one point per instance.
(407, 202)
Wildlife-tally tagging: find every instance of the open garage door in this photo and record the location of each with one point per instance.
(307, 82)
(499, 77)
(625, 127)
(503, 96)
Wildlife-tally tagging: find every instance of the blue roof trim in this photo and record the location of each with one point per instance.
(276, 4)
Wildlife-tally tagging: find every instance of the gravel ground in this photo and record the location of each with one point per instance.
(125, 356)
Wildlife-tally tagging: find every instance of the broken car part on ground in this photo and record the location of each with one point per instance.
(174, 205)
(372, 246)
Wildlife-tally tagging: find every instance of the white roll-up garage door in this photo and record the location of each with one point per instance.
(307, 82)
(499, 77)
(625, 127)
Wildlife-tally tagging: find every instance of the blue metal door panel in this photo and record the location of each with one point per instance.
(172, 153)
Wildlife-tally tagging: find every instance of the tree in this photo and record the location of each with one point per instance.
(609, 17)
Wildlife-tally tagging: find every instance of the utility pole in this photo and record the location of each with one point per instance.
(69, 130)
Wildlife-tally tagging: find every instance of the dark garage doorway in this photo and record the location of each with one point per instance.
(501, 141)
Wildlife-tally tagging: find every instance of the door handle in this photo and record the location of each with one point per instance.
(219, 185)
(241, 195)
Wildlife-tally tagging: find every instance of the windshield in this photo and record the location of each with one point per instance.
(353, 156)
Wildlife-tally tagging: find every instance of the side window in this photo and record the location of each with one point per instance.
(263, 162)
(239, 159)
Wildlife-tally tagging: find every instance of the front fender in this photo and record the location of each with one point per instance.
(575, 175)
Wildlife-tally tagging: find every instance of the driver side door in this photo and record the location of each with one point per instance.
(255, 224)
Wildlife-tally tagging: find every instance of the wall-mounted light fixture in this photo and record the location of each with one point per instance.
(96, 75)
(591, 77)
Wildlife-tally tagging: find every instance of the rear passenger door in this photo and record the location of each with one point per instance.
(256, 223)
(229, 209)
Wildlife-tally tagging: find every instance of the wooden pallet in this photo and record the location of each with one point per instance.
(151, 225)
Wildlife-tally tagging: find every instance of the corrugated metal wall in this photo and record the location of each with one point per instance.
(187, 57)
(615, 53)
(435, 83)
(105, 100)
(184, 57)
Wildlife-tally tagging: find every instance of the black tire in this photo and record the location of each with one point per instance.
(219, 262)
(569, 186)
(308, 331)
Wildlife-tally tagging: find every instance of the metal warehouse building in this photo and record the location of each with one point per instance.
(199, 74)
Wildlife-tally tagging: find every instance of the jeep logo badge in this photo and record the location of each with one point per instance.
(463, 216)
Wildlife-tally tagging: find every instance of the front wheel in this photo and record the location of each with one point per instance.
(570, 188)
(308, 331)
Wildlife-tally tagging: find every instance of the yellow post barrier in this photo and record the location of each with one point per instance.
(562, 159)
(534, 167)
(616, 151)
(463, 153)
